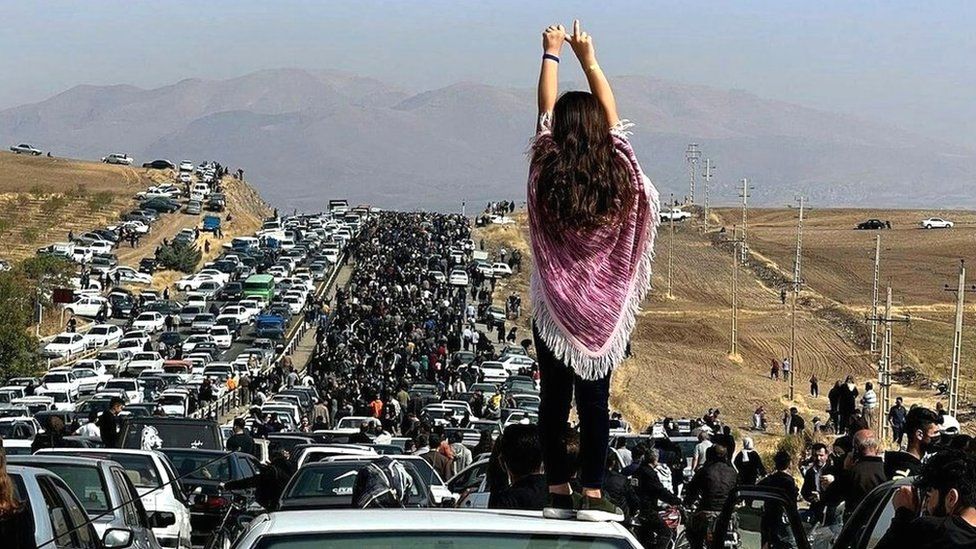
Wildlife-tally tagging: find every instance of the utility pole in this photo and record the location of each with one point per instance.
(692, 155)
(884, 366)
(671, 250)
(734, 327)
(874, 295)
(957, 338)
(708, 180)
(797, 282)
(744, 193)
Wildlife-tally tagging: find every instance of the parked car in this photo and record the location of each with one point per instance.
(26, 148)
(130, 275)
(160, 165)
(117, 158)
(108, 497)
(936, 223)
(160, 204)
(155, 480)
(87, 306)
(458, 277)
(65, 345)
(193, 207)
(871, 225)
(56, 513)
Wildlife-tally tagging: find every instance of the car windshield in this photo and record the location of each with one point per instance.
(336, 479)
(55, 378)
(144, 356)
(456, 539)
(86, 482)
(62, 339)
(127, 385)
(200, 465)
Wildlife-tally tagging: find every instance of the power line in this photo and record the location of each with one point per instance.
(744, 193)
(874, 295)
(692, 155)
(708, 180)
(734, 324)
(957, 338)
(671, 249)
(884, 365)
(796, 283)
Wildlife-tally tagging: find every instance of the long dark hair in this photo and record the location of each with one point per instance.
(582, 183)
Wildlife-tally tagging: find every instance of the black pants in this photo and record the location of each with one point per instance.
(557, 387)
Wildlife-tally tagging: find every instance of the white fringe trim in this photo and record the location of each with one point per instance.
(588, 365)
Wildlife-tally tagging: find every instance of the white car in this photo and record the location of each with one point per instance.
(186, 166)
(514, 363)
(936, 223)
(131, 387)
(64, 400)
(88, 306)
(65, 345)
(252, 305)
(118, 158)
(437, 276)
(238, 313)
(501, 220)
(676, 214)
(150, 321)
(102, 335)
(131, 344)
(499, 270)
(458, 278)
(133, 225)
(194, 281)
(60, 380)
(25, 148)
(146, 360)
(128, 274)
(214, 274)
(494, 372)
(174, 402)
(294, 302)
(222, 336)
(153, 477)
(114, 360)
(191, 342)
(91, 375)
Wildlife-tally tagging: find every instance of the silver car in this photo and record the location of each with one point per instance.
(56, 514)
(107, 496)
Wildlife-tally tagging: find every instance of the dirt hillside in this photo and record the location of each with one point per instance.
(681, 364)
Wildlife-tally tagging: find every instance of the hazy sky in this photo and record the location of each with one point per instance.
(907, 63)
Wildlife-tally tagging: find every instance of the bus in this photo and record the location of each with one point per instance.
(260, 285)
(338, 207)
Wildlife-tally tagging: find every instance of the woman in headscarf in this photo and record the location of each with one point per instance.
(748, 463)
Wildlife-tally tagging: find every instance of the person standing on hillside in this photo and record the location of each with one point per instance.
(591, 209)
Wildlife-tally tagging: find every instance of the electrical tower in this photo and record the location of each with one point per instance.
(708, 180)
(692, 155)
(797, 282)
(744, 193)
(884, 366)
(874, 295)
(957, 337)
(671, 250)
(734, 325)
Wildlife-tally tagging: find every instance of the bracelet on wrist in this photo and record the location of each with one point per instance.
(551, 57)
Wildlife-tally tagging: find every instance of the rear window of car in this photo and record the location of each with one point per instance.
(86, 482)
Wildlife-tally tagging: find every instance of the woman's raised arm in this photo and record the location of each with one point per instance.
(552, 44)
(582, 44)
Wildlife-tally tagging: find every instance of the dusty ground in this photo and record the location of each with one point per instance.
(681, 364)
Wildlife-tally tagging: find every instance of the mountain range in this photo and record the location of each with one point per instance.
(305, 136)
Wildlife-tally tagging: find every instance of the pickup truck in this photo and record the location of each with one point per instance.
(270, 327)
(676, 214)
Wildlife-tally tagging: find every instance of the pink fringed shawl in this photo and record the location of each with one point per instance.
(588, 286)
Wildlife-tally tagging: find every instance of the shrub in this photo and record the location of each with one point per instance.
(79, 191)
(100, 200)
(54, 204)
(5, 224)
(37, 192)
(180, 257)
(30, 234)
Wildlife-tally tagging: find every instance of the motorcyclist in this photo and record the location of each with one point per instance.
(651, 491)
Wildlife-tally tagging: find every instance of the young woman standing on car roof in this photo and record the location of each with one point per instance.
(592, 219)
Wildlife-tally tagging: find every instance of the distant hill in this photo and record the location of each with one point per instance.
(309, 135)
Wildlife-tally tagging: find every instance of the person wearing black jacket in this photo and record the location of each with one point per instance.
(649, 492)
(776, 532)
(922, 429)
(241, 440)
(947, 485)
(710, 487)
(52, 437)
(810, 491)
(109, 425)
(863, 472)
(521, 457)
(269, 483)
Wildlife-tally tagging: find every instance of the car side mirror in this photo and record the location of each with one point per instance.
(117, 538)
(162, 520)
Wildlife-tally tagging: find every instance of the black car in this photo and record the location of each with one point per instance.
(148, 265)
(208, 470)
(232, 291)
(176, 432)
(165, 307)
(110, 235)
(171, 339)
(137, 215)
(329, 485)
(870, 225)
(121, 305)
(280, 309)
(160, 165)
(159, 204)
